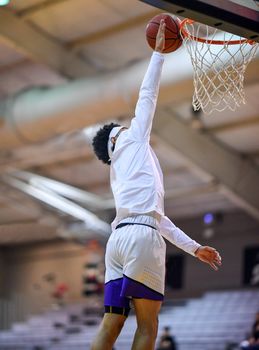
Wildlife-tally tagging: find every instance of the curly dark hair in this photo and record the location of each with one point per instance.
(100, 142)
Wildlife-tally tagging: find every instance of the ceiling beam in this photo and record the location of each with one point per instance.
(56, 157)
(40, 48)
(235, 173)
(107, 32)
(244, 123)
(30, 11)
(254, 153)
(192, 191)
(67, 191)
(53, 107)
(54, 200)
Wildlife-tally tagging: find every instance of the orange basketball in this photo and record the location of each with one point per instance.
(173, 38)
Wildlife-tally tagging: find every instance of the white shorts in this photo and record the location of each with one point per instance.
(137, 253)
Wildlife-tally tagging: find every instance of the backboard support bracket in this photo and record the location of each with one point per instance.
(224, 15)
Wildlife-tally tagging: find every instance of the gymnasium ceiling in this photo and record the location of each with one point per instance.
(210, 163)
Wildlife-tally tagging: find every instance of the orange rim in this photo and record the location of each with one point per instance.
(186, 34)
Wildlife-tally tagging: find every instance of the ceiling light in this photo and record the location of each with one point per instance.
(4, 2)
(208, 232)
(208, 218)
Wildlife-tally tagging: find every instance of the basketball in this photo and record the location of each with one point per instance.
(173, 38)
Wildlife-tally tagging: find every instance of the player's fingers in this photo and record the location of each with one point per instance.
(161, 28)
(217, 261)
(210, 249)
(217, 257)
(215, 254)
(213, 266)
(162, 21)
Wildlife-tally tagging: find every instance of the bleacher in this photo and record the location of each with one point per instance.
(212, 322)
(208, 323)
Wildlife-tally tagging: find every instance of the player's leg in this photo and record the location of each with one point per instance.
(147, 323)
(108, 332)
(116, 307)
(143, 250)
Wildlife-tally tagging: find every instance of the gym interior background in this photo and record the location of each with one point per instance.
(66, 67)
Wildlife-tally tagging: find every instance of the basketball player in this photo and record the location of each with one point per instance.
(135, 252)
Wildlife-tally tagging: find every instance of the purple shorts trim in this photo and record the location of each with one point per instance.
(112, 294)
(118, 292)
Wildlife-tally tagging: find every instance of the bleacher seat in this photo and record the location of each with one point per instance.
(207, 323)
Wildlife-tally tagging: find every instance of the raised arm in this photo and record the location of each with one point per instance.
(177, 237)
(141, 124)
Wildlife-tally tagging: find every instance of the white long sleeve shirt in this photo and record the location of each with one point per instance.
(135, 173)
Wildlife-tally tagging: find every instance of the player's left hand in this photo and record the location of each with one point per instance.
(209, 255)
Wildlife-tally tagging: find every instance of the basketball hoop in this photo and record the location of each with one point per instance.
(219, 61)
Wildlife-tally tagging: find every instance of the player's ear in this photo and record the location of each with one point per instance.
(113, 140)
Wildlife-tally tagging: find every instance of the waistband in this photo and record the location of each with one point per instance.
(122, 224)
(141, 219)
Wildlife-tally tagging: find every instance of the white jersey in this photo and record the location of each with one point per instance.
(135, 174)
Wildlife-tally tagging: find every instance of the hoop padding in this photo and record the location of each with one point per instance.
(219, 62)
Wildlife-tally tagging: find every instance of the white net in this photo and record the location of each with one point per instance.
(219, 64)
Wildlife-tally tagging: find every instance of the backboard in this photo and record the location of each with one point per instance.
(240, 17)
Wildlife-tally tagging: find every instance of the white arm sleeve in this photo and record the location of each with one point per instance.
(177, 237)
(114, 224)
(141, 124)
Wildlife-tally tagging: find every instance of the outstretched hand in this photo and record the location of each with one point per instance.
(209, 255)
(160, 37)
